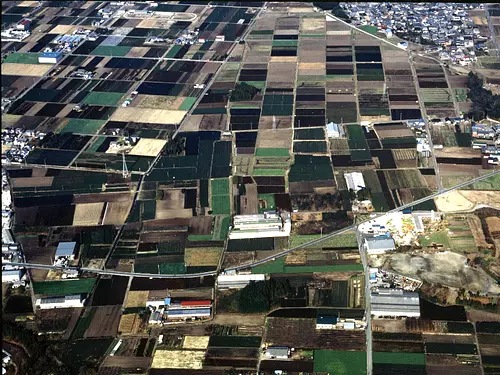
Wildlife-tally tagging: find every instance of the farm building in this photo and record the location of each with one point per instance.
(74, 300)
(7, 237)
(419, 215)
(326, 322)
(379, 244)
(196, 304)
(395, 302)
(158, 303)
(268, 224)
(237, 281)
(188, 313)
(334, 130)
(354, 180)
(65, 250)
(50, 57)
(278, 352)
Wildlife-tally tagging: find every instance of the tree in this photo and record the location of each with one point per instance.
(484, 103)
(242, 92)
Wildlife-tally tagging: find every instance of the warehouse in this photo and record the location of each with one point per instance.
(50, 57)
(268, 224)
(379, 244)
(354, 180)
(237, 281)
(395, 302)
(278, 352)
(188, 313)
(74, 300)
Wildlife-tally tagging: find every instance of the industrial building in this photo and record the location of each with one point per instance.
(188, 313)
(395, 302)
(237, 281)
(268, 224)
(73, 300)
(379, 244)
(355, 181)
(50, 57)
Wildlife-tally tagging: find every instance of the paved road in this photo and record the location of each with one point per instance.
(426, 121)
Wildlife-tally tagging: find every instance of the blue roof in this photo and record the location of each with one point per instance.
(326, 320)
(51, 54)
(188, 312)
(65, 249)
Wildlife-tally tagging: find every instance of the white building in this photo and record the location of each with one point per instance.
(278, 352)
(11, 275)
(379, 245)
(73, 300)
(354, 180)
(237, 281)
(395, 302)
(268, 224)
(326, 322)
(50, 57)
(334, 130)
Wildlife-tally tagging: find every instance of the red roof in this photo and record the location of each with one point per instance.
(25, 21)
(196, 303)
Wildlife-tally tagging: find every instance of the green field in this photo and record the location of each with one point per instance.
(63, 287)
(336, 362)
(97, 143)
(268, 172)
(345, 240)
(440, 237)
(436, 95)
(83, 126)
(491, 183)
(285, 43)
(22, 58)
(113, 51)
(399, 358)
(272, 152)
(221, 200)
(369, 29)
(187, 103)
(83, 324)
(461, 95)
(103, 98)
(269, 202)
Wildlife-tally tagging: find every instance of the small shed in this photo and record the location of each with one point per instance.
(349, 325)
(66, 250)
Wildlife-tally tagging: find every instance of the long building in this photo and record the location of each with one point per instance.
(395, 302)
(73, 300)
(268, 224)
(237, 281)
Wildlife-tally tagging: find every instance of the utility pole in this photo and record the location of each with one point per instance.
(125, 172)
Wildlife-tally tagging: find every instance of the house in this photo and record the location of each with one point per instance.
(50, 57)
(354, 181)
(24, 24)
(65, 250)
(278, 352)
(379, 244)
(326, 322)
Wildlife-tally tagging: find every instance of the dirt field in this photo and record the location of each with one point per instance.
(388, 325)
(105, 322)
(136, 298)
(127, 362)
(467, 200)
(280, 138)
(239, 319)
(129, 324)
(116, 212)
(31, 182)
(201, 224)
(482, 316)
(33, 70)
(477, 231)
(195, 342)
(445, 268)
(158, 102)
(87, 214)
(190, 359)
(493, 224)
(153, 116)
(202, 256)
(148, 147)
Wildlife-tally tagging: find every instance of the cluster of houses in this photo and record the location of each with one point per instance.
(18, 32)
(487, 138)
(18, 143)
(445, 26)
(166, 311)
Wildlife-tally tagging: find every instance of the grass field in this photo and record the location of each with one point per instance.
(440, 238)
(63, 287)
(268, 172)
(336, 362)
(202, 256)
(97, 143)
(278, 266)
(272, 152)
(113, 51)
(339, 241)
(369, 29)
(221, 204)
(187, 103)
(83, 126)
(188, 359)
(22, 58)
(103, 98)
(399, 358)
(268, 202)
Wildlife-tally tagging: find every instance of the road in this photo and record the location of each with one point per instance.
(426, 121)
(267, 259)
(368, 329)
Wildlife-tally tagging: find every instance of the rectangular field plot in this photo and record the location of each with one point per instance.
(339, 362)
(66, 287)
(311, 168)
(221, 204)
(83, 126)
(102, 98)
(309, 147)
(309, 134)
(184, 359)
(399, 358)
(111, 50)
(277, 105)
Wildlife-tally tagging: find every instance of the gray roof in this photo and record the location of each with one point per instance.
(277, 351)
(65, 249)
(396, 301)
(380, 243)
